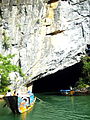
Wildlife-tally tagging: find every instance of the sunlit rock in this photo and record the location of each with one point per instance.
(46, 36)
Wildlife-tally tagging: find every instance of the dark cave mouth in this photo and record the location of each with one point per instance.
(62, 79)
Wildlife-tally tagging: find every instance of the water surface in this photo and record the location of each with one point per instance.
(53, 107)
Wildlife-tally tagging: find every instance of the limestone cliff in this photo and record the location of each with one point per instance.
(45, 35)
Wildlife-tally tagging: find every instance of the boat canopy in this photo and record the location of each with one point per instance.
(64, 90)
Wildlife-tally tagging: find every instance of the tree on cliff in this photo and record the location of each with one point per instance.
(85, 76)
(6, 67)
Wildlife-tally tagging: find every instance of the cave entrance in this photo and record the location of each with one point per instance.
(62, 79)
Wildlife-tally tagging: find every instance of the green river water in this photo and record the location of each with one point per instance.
(53, 107)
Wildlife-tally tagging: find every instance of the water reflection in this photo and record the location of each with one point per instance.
(54, 108)
(72, 99)
(23, 116)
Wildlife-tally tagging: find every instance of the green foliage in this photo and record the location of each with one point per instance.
(80, 84)
(86, 65)
(84, 80)
(6, 39)
(17, 1)
(7, 67)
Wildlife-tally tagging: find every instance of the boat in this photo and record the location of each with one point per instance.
(73, 92)
(20, 104)
(67, 92)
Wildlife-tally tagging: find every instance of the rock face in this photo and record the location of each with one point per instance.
(46, 36)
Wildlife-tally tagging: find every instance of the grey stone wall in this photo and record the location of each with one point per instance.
(45, 37)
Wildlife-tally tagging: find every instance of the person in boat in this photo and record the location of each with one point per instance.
(71, 88)
(8, 93)
(14, 94)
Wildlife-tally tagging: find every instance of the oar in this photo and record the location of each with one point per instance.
(39, 99)
(4, 105)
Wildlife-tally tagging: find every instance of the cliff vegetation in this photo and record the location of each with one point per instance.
(6, 67)
(84, 80)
